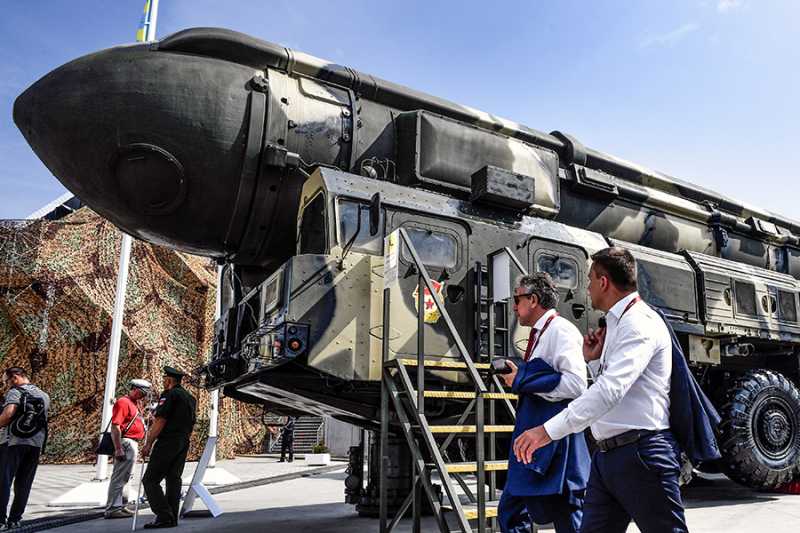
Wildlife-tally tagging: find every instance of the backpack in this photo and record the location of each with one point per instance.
(31, 416)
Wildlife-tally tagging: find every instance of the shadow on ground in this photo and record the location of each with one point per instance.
(719, 491)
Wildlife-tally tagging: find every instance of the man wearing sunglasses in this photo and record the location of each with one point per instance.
(636, 467)
(551, 374)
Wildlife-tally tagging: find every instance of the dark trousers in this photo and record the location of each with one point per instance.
(637, 481)
(512, 513)
(287, 445)
(19, 467)
(166, 463)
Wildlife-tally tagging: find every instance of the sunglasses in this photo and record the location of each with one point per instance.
(524, 295)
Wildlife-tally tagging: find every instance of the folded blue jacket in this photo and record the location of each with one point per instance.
(561, 467)
(692, 418)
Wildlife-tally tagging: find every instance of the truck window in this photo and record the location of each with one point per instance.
(312, 227)
(787, 305)
(435, 248)
(563, 270)
(745, 298)
(365, 243)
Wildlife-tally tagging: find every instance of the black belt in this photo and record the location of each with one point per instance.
(622, 439)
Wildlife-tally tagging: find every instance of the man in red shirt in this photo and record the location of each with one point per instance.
(127, 429)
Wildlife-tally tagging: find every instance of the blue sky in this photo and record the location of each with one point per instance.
(704, 90)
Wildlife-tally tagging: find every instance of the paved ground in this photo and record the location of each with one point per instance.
(54, 480)
(315, 504)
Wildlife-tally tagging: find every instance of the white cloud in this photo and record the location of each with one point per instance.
(670, 38)
(725, 6)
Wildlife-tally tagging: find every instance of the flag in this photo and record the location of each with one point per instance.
(141, 33)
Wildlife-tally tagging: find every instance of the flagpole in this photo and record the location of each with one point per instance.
(101, 470)
(213, 410)
(150, 34)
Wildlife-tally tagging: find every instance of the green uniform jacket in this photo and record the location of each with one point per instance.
(178, 408)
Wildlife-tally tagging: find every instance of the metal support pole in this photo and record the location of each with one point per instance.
(481, 463)
(384, 443)
(421, 346)
(213, 417)
(417, 488)
(101, 470)
(213, 408)
(491, 307)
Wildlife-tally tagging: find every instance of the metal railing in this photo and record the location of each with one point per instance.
(389, 391)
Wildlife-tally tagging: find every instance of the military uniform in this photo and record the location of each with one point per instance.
(177, 407)
(287, 439)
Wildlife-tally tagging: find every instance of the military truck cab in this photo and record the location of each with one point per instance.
(308, 337)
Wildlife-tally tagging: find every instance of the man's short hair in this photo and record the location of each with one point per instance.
(15, 371)
(618, 265)
(541, 285)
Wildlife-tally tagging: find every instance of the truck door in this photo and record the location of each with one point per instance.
(567, 266)
(442, 247)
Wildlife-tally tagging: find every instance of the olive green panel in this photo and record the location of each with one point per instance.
(744, 300)
(335, 301)
(666, 281)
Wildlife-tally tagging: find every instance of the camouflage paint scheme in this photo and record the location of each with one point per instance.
(233, 98)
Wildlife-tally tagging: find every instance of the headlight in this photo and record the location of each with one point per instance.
(271, 293)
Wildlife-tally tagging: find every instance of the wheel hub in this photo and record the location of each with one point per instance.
(774, 428)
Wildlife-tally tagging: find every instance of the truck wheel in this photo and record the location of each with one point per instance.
(760, 430)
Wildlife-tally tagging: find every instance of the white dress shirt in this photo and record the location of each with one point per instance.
(561, 346)
(631, 388)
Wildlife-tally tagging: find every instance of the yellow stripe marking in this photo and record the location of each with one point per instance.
(430, 363)
(471, 512)
(471, 429)
(465, 395)
(460, 468)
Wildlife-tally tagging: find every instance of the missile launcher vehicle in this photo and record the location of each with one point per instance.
(291, 171)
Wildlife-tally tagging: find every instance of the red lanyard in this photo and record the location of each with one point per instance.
(636, 300)
(529, 350)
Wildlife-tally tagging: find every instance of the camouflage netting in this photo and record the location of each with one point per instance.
(57, 286)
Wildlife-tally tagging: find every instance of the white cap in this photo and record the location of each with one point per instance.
(140, 384)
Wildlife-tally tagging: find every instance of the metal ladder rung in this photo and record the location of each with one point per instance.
(453, 365)
(471, 511)
(466, 395)
(461, 468)
(471, 429)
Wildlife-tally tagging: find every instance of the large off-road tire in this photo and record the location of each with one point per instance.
(760, 430)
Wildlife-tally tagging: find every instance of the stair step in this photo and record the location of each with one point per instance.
(466, 395)
(471, 429)
(471, 511)
(453, 365)
(461, 468)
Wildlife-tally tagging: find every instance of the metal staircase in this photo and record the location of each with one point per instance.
(308, 432)
(403, 396)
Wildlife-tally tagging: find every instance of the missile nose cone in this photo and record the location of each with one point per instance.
(152, 141)
(22, 112)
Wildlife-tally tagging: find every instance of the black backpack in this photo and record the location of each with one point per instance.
(31, 416)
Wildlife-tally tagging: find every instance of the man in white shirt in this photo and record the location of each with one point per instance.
(552, 373)
(636, 467)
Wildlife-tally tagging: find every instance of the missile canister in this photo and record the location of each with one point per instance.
(194, 141)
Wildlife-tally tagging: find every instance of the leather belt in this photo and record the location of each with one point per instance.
(622, 439)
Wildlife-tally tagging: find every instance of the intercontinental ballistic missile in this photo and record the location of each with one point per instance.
(193, 141)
